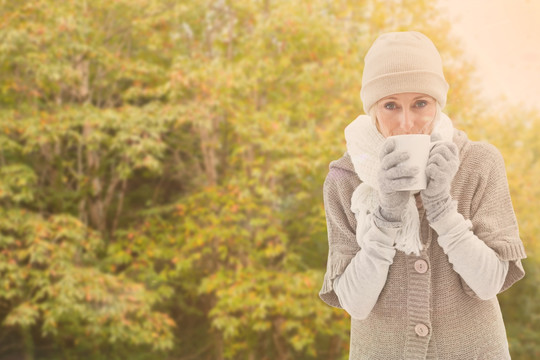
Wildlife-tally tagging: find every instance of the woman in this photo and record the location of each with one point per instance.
(418, 271)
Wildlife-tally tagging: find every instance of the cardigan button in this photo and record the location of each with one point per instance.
(420, 266)
(421, 330)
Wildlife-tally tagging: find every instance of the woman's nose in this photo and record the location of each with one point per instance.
(406, 121)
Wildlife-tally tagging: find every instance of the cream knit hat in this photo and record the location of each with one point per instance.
(399, 62)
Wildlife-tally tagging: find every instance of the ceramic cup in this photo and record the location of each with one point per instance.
(418, 146)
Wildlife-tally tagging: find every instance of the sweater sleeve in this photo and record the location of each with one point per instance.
(341, 227)
(360, 285)
(477, 264)
(491, 213)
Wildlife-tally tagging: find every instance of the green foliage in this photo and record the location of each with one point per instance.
(50, 282)
(161, 171)
(230, 255)
(17, 183)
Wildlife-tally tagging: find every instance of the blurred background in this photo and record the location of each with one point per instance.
(162, 163)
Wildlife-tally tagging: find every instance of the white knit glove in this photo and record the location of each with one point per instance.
(442, 166)
(392, 177)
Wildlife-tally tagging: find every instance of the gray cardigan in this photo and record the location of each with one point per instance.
(431, 314)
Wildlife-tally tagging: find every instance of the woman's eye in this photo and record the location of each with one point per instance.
(421, 103)
(390, 106)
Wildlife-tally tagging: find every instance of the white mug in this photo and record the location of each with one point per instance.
(418, 147)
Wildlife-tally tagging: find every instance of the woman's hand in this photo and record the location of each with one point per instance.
(442, 166)
(391, 178)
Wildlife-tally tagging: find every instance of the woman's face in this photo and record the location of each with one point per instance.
(405, 113)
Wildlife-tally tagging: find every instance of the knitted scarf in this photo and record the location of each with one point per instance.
(364, 144)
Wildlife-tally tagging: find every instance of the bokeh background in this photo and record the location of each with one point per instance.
(162, 163)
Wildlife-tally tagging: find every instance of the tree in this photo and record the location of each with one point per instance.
(182, 148)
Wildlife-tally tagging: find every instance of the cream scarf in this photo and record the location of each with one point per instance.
(364, 143)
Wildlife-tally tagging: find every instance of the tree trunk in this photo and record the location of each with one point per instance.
(82, 66)
(335, 345)
(95, 203)
(278, 341)
(208, 143)
(119, 207)
(83, 214)
(218, 341)
(28, 343)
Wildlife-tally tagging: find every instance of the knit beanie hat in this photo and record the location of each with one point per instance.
(400, 62)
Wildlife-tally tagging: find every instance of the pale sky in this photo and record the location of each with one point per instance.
(502, 37)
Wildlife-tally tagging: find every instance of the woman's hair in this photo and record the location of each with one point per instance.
(373, 115)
